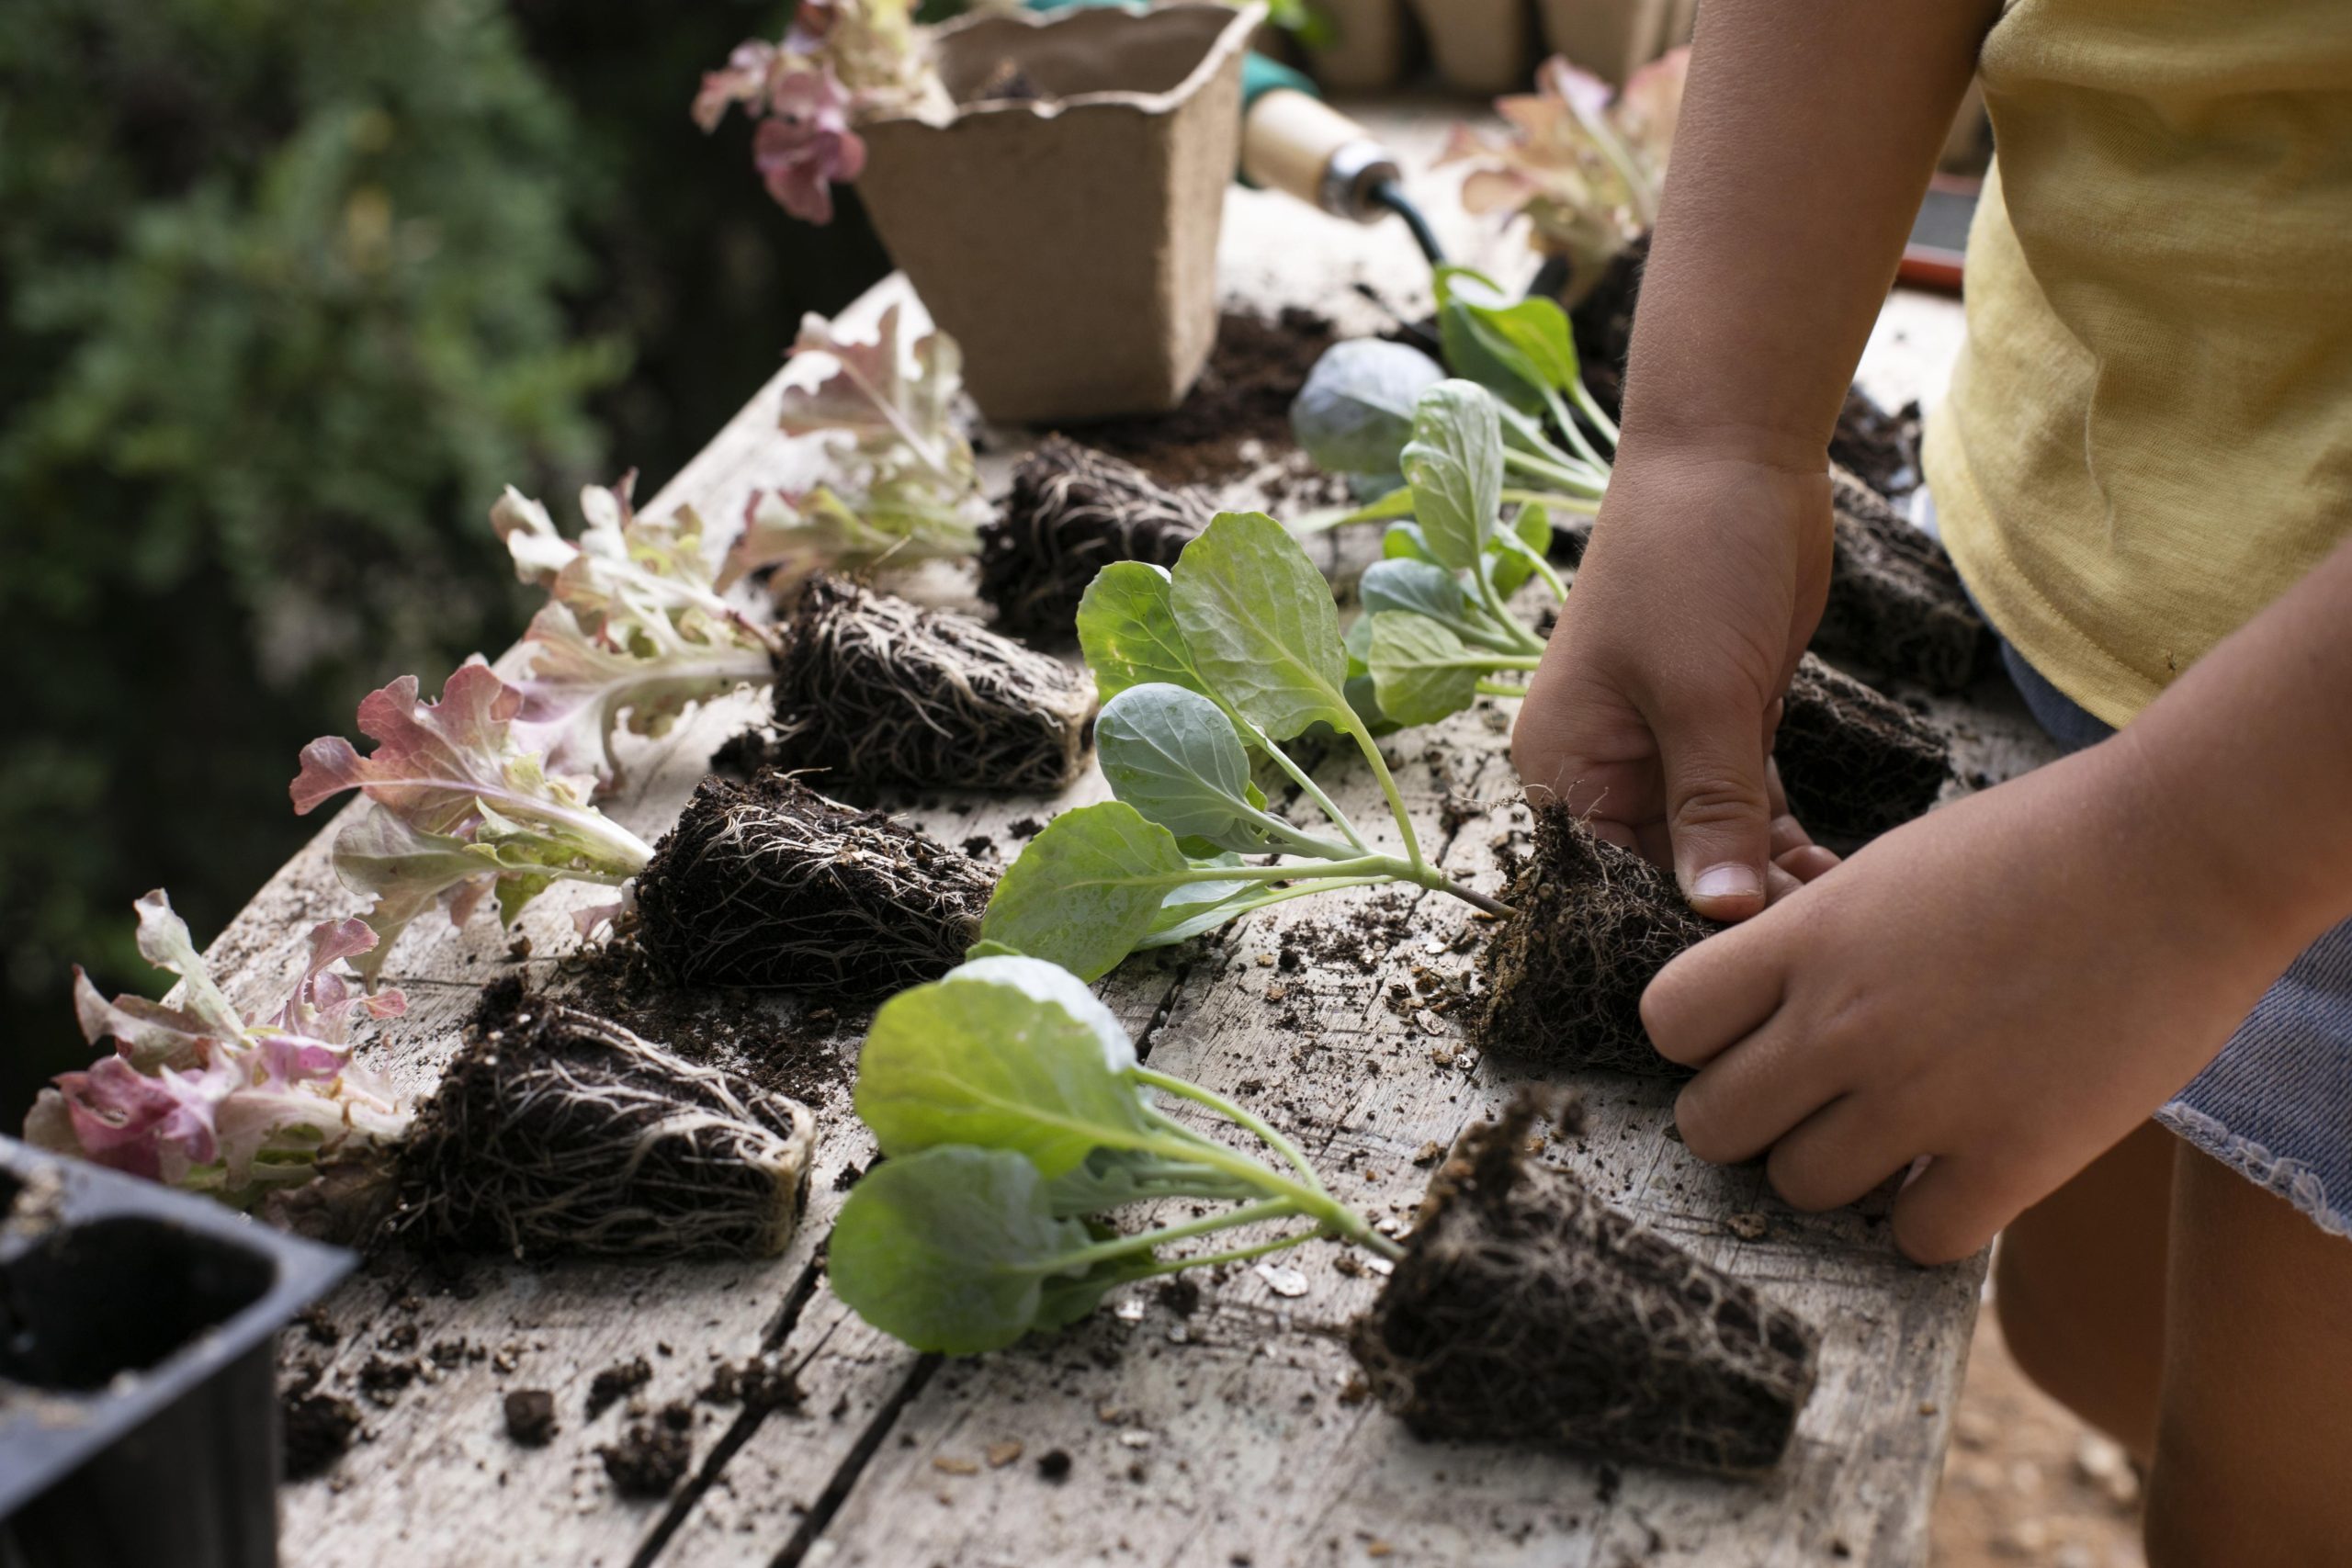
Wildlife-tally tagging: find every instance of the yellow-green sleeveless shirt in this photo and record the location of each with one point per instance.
(2149, 433)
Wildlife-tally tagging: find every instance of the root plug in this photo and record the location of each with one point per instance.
(1895, 603)
(557, 1132)
(1527, 1310)
(772, 884)
(1854, 761)
(869, 687)
(1073, 511)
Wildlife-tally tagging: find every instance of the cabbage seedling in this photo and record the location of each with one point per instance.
(1014, 1115)
(1237, 649)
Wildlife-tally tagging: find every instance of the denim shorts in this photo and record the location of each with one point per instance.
(2275, 1105)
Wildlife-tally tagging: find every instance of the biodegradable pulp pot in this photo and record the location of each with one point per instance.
(1481, 46)
(1369, 49)
(139, 1418)
(1069, 242)
(1613, 39)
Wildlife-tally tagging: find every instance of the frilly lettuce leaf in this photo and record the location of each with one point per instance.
(463, 809)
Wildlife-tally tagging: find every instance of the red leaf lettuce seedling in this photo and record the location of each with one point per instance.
(1015, 1115)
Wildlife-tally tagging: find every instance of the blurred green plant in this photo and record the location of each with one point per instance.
(290, 290)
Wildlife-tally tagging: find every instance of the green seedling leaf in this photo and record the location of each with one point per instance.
(1259, 622)
(1355, 412)
(1174, 756)
(1086, 890)
(1416, 587)
(1532, 337)
(1004, 1054)
(1405, 541)
(1454, 465)
(1473, 349)
(1519, 547)
(1420, 672)
(1126, 628)
(952, 1249)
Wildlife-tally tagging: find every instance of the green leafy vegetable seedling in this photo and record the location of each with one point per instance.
(1237, 649)
(1015, 1115)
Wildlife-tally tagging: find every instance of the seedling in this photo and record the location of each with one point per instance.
(1014, 1115)
(1072, 512)
(804, 891)
(1236, 650)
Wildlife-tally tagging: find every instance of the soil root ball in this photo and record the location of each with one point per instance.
(1854, 761)
(1895, 603)
(1072, 512)
(556, 1132)
(871, 688)
(1564, 976)
(1527, 1310)
(770, 884)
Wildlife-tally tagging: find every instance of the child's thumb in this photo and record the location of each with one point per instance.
(1718, 814)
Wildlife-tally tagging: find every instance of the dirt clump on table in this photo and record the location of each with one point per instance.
(1527, 1310)
(1592, 926)
(872, 689)
(652, 1455)
(1853, 761)
(1071, 511)
(316, 1429)
(616, 1382)
(530, 1416)
(1895, 602)
(1240, 406)
(557, 1133)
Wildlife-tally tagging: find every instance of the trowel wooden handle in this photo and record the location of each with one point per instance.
(1296, 142)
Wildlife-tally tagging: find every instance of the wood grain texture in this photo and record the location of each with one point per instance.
(1217, 1437)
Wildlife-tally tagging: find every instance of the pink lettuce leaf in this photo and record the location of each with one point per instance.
(463, 809)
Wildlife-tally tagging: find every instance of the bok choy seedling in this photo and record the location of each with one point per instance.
(1436, 632)
(1014, 1115)
(1237, 649)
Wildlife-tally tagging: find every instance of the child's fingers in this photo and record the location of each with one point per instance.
(1751, 1095)
(1952, 1209)
(1717, 809)
(1840, 1153)
(1710, 995)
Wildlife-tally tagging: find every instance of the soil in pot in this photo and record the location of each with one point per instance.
(557, 1133)
(1073, 511)
(1563, 977)
(1854, 761)
(872, 690)
(769, 884)
(1237, 413)
(1895, 601)
(1527, 1310)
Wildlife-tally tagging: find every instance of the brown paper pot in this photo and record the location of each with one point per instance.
(1613, 39)
(1481, 46)
(1370, 46)
(1069, 244)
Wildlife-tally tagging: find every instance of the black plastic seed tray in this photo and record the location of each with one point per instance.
(138, 1399)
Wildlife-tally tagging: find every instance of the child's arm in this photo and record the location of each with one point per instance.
(1807, 139)
(2012, 982)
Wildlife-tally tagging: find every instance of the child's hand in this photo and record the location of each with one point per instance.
(1654, 709)
(2008, 985)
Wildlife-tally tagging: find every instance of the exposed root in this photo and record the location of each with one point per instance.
(1527, 1310)
(868, 687)
(556, 1132)
(1072, 512)
(1563, 976)
(1895, 602)
(770, 884)
(1854, 761)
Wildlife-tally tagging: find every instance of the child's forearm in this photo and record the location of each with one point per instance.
(1806, 138)
(2246, 761)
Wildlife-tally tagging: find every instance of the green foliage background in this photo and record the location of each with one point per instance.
(289, 289)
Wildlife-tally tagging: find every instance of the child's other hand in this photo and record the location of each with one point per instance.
(1653, 712)
(2008, 985)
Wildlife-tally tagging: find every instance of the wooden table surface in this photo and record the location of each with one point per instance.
(1224, 1437)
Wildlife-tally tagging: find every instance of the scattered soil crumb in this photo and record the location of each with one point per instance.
(1054, 1465)
(757, 1383)
(381, 1378)
(1026, 828)
(530, 1416)
(616, 1382)
(651, 1456)
(1241, 401)
(1003, 1454)
(1181, 1296)
(319, 1427)
(318, 1327)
